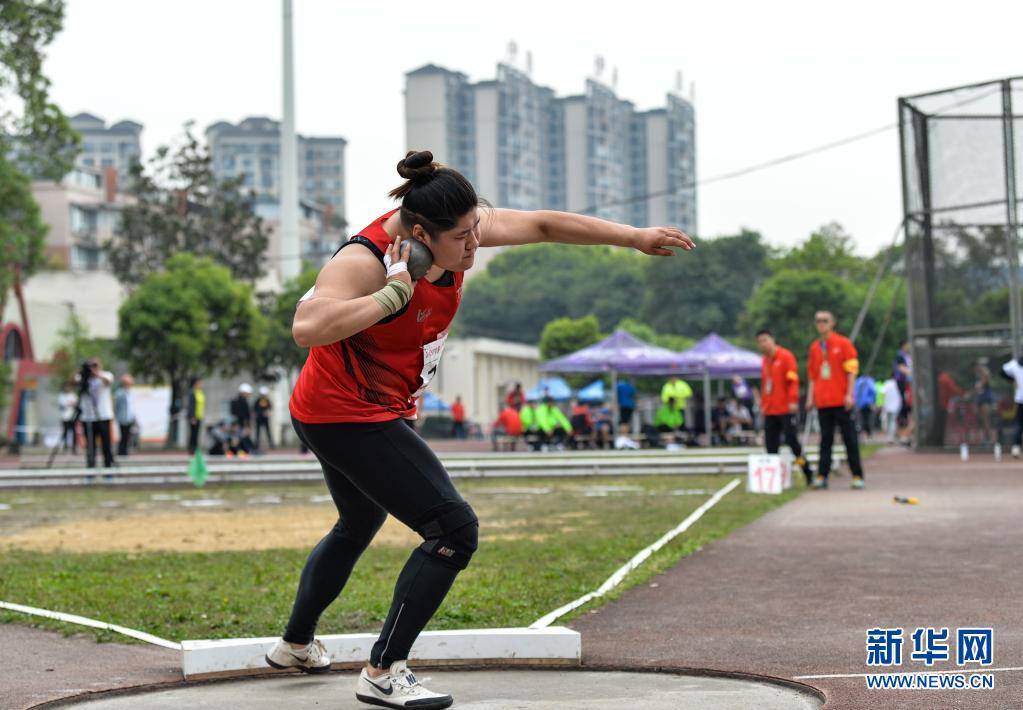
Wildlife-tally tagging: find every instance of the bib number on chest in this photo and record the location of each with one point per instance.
(431, 361)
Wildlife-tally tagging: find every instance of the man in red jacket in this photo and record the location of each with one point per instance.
(832, 368)
(779, 399)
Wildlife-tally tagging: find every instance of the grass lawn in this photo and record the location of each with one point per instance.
(544, 542)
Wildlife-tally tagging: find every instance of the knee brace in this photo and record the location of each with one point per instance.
(451, 536)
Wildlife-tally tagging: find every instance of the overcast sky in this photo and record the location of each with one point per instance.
(771, 78)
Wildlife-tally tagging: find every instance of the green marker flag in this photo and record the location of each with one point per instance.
(197, 470)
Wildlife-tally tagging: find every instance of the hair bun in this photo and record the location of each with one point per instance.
(416, 165)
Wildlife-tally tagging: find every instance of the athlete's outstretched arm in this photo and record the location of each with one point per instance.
(502, 227)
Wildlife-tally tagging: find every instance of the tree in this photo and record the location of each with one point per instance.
(74, 346)
(35, 137)
(192, 319)
(278, 309)
(22, 231)
(705, 290)
(562, 336)
(180, 206)
(785, 304)
(829, 249)
(525, 287)
(39, 133)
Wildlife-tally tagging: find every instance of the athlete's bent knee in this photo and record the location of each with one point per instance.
(452, 536)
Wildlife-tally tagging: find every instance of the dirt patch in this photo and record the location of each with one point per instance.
(196, 531)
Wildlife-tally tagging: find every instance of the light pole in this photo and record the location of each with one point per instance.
(289, 254)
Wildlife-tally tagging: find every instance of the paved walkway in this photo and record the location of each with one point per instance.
(793, 593)
(790, 595)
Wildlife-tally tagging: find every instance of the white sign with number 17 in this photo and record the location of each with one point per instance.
(769, 473)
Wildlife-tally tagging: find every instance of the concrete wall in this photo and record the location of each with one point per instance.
(657, 167)
(426, 115)
(482, 370)
(487, 103)
(576, 156)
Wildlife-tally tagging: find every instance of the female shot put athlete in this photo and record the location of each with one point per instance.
(375, 339)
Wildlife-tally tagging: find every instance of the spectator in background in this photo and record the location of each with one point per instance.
(67, 401)
(196, 413)
(458, 418)
(878, 405)
(553, 425)
(675, 393)
(261, 409)
(124, 412)
(892, 407)
(581, 423)
(719, 421)
(626, 392)
(902, 373)
(740, 418)
(984, 396)
(1014, 369)
(509, 422)
(667, 419)
(832, 367)
(865, 394)
(949, 392)
(241, 409)
(527, 415)
(220, 439)
(602, 428)
(97, 410)
(743, 394)
(515, 399)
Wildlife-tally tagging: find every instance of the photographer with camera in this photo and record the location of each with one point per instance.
(96, 409)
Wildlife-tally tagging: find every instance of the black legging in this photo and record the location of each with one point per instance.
(262, 425)
(371, 470)
(98, 430)
(778, 425)
(829, 418)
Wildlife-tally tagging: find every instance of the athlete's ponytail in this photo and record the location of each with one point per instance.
(433, 195)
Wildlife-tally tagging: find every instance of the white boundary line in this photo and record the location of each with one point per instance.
(85, 621)
(880, 671)
(637, 560)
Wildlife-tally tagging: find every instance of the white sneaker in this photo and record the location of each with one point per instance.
(399, 688)
(1015, 452)
(314, 659)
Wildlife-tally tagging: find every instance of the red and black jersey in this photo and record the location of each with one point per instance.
(377, 374)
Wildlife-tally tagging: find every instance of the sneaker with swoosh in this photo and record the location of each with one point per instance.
(399, 688)
(314, 659)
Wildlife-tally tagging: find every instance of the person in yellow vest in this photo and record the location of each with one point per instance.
(675, 393)
(552, 422)
(196, 413)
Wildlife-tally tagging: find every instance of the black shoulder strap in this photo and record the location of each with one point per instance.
(359, 239)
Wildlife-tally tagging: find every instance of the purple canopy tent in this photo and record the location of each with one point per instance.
(714, 357)
(620, 353)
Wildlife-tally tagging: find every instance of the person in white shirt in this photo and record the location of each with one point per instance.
(1014, 369)
(67, 401)
(97, 408)
(891, 408)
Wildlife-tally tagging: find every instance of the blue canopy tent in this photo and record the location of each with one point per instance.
(433, 403)
(553, 387)
(620, 353)
(592, 393)
(715, 357)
